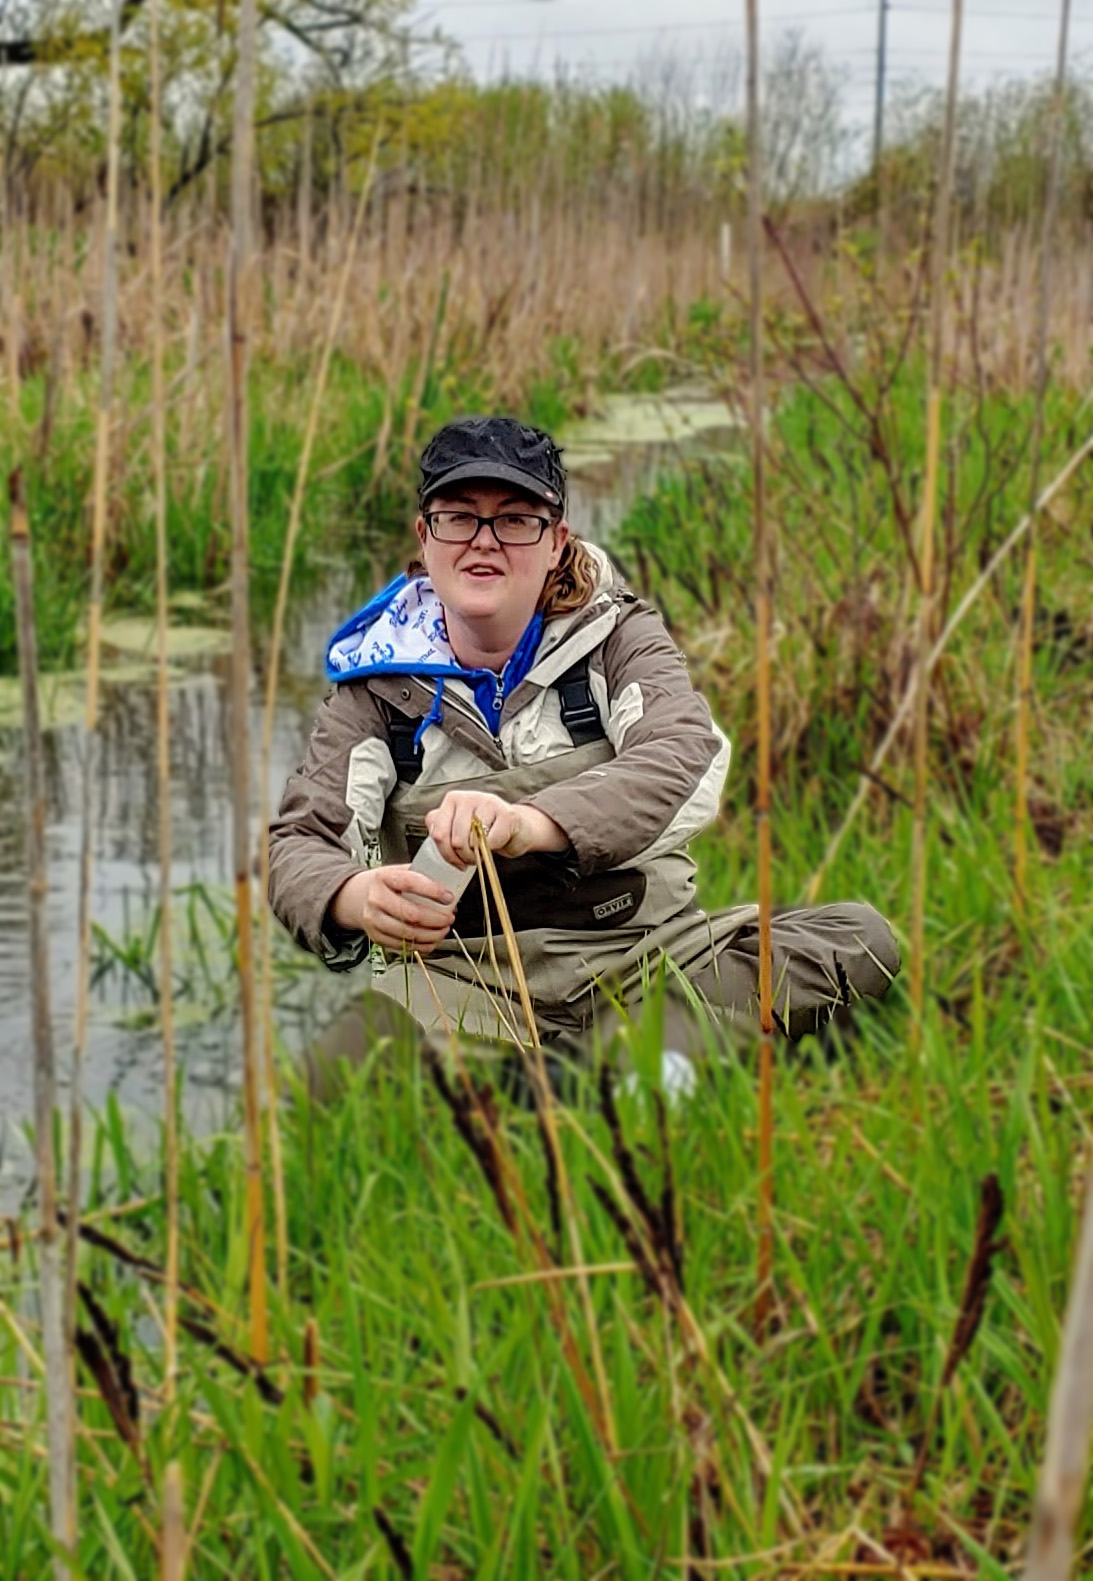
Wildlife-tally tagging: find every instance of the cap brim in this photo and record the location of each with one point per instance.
(495, 472)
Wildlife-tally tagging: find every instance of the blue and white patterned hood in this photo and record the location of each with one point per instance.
(401, 630)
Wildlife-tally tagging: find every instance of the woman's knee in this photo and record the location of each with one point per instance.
(871, 956)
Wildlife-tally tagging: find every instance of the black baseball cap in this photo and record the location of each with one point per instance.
(497, 448)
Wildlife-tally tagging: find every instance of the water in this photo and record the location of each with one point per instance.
(611, 460)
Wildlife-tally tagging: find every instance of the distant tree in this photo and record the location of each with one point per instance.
(53, 56)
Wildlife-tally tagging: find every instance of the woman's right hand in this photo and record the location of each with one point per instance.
(396, 907)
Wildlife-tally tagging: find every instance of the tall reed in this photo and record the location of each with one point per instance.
(920, 833)
(174, 1525)
(163, 722)
(1028, 600)
(239, 318)
(100, 506)
(763, 598)
(273, 672)
(60, 1418)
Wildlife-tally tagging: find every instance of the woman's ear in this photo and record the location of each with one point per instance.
(422, 532)
(561, 533)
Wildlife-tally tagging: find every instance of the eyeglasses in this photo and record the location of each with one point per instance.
(462, 527)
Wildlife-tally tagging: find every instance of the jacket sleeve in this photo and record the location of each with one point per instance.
(665, 782)
(327, 828)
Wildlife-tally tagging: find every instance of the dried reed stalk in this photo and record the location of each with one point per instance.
(273, 672)
(1069, 1423)
(1028, 600)
(919, 831)
(545, 1106)
(94, 622)
(163, 758)
(15, 341)
(240, 268)
(60, 1419)
(174, 1525)
(763, 595)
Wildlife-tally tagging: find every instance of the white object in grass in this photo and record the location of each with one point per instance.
(678, 1077)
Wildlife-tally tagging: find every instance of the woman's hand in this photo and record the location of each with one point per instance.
(512, 828)
(396, 907)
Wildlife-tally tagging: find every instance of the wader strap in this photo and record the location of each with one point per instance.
(407, 757)
(580, 716)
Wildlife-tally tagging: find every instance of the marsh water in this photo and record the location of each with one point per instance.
(612, 459)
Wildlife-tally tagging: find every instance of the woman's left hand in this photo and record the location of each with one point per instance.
(512, 828)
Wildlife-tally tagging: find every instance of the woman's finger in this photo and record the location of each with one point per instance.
(502, 830)
(394, 933)
(460, 836)
(424, 919)
(390, 942)
(404, 912)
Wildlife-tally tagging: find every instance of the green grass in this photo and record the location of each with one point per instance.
(450, 1404)
(394, 1233)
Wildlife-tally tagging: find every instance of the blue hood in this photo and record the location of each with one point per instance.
(402, 632)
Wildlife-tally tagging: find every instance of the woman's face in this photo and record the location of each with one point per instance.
(485, 580)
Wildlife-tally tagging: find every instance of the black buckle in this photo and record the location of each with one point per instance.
(580, 715)
(406, 756)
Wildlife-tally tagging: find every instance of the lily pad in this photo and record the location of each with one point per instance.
(136, 635)
(646, 420)
(62, 695)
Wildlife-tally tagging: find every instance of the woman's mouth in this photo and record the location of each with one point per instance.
(482, 573)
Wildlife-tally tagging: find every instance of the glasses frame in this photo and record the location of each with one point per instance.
(488, 521)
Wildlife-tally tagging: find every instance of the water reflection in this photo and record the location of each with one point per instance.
(127, 1059)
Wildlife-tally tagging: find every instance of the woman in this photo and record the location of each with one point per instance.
(512, 677)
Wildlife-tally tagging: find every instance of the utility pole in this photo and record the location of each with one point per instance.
(882, 55)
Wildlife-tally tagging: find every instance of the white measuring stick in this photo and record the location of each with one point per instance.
(430, 862)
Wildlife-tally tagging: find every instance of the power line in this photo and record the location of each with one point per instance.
(717, 27)
(660, 27)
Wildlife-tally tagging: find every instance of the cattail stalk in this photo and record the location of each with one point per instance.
(304, 200)
(240, 268)
(1028, 600)
(273, 672)
(94, 623)
(1069, 1423)
(763, 596)
(60, 1420)
(91, 715)
(163, 756)
(174, 1520)
(15, 341)
(919, 832)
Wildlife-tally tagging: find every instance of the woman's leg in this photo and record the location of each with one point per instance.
(823, 957)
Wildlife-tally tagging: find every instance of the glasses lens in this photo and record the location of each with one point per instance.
(453, 526)
(519, 529)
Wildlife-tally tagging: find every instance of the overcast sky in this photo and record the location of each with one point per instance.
(612, 38)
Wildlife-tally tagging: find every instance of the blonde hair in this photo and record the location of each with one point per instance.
(568, 587)
(572, 583)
